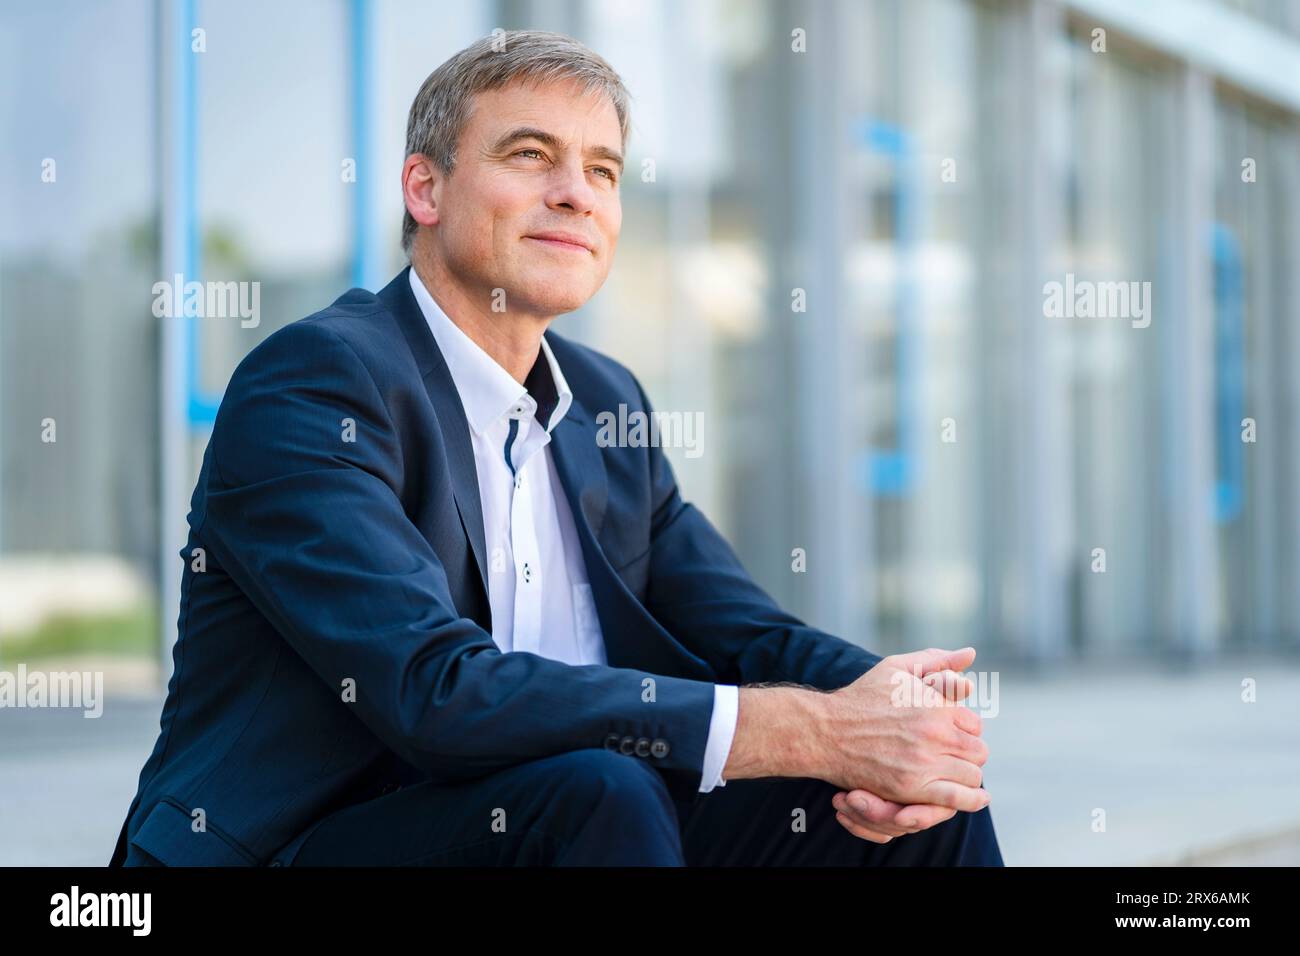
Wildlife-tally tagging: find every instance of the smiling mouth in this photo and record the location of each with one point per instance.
(560, 244)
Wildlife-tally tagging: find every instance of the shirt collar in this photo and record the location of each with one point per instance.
(487, 391)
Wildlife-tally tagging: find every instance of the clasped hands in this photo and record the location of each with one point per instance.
(932, 753)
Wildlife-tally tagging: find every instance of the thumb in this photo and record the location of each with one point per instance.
(920, 663)
(950, 684)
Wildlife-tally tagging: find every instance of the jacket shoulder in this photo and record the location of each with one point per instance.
(358, 317)
(358, 323)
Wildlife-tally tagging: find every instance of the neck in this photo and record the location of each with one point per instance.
(512, 339)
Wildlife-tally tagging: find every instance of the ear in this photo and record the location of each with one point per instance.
(420, 178)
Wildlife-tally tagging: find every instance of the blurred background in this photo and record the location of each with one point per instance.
(948, 457)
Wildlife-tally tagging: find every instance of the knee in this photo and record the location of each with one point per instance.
(966, 839)
(605, 782)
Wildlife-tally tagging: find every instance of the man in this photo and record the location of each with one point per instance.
(427, 618)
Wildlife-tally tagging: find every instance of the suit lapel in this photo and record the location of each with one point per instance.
(460, 457)
(438, 383)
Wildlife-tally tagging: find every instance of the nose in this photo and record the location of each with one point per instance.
(569, 189)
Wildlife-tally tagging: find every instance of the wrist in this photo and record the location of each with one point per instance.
(780, 732)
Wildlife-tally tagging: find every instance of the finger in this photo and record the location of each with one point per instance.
(935, 659)
(870, 807)
(968, 747)
(869, 811)
(950, 684)
(964, 718)
(881, 829)
(958, 770)
(945, 793)
(858, 806)
(860, 831)
(922, 816)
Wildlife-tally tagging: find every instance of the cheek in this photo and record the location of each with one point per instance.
(614, 221)
(489, 221)
(612, 227)
(464, 235)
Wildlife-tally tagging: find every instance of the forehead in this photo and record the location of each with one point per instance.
(563, 107)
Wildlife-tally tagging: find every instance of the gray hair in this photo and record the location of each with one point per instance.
(442, 107)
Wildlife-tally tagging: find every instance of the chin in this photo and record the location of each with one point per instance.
(553, 295)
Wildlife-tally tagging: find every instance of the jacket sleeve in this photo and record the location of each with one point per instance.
(303, 512)
(701, 593)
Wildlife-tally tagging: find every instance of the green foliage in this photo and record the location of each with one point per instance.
(133, 634)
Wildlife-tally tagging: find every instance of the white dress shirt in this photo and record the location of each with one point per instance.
(538, 590)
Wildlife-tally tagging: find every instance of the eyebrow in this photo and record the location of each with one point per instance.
(553, 141)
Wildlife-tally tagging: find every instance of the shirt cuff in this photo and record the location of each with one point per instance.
(722, 728)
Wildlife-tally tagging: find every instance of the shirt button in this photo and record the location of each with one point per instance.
(611, 742)
(659, 748)
(643, 747)
(627, 745)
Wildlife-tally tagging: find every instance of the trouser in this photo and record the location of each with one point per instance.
(601, 808)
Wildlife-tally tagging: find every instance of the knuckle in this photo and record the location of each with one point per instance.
(871, 813)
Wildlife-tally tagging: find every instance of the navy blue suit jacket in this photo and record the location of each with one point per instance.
(316, 565)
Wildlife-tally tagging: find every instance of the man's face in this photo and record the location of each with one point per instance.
(533, 161)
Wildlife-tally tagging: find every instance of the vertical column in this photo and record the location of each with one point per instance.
(1263, 314)
(367, 254)
(1288, 317)
(178, 254)
(1194, 573)
(1042, 460)
(837, 515)
(690, 341)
